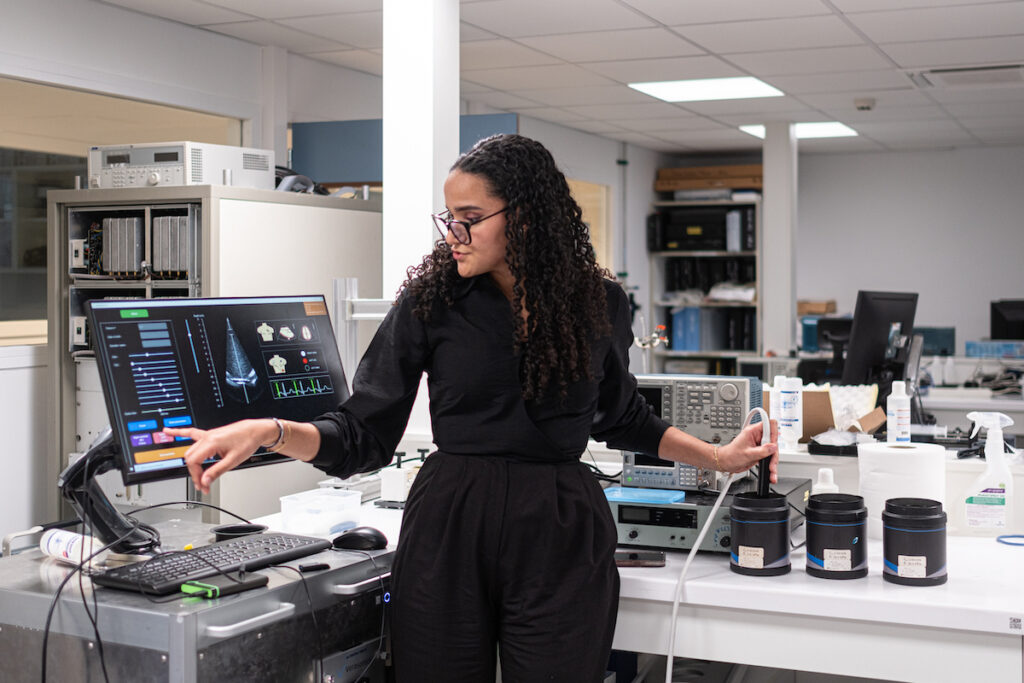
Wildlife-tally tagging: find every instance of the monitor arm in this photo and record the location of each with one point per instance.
(78, 486)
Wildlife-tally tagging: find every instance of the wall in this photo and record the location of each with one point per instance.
(23, 414)
(946, 224)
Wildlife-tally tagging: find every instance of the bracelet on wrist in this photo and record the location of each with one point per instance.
(279, 441)
(718, 468)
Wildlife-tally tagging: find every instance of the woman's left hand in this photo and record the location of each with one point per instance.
(745, 451)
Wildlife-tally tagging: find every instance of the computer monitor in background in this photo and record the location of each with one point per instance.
(880, 339)
(1007, 319)
(201, 363)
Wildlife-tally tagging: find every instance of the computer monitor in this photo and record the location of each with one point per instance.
(879, 339)
(197, 363)
(1007, 319)
(208, 362)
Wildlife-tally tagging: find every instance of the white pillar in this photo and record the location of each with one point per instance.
(778, 289)
(421, 126)
(274, 102)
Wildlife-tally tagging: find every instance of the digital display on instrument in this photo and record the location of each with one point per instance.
(644, 460)
(165, 156)
(657, 516)
(653, 397)
(118, 158)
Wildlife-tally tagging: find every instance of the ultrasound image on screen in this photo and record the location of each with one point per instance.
(208, 362)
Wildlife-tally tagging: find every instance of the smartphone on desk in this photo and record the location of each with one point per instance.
(639, 558)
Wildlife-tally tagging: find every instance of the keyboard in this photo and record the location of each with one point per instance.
(164, 573)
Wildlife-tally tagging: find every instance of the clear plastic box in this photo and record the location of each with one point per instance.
(320, 512)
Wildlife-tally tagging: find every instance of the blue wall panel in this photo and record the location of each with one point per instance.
(351, 151)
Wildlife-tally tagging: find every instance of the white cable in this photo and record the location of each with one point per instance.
(766, 437)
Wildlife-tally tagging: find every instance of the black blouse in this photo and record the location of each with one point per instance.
(476, 406)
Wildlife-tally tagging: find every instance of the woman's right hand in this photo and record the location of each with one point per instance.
(228, 446)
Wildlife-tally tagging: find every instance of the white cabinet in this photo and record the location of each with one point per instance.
(183, 242)
(705, 270)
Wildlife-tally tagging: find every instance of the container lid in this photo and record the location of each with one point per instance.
(750, 500)
(835, 502)
(914, 512)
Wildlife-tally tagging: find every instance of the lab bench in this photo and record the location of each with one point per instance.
(277, 633)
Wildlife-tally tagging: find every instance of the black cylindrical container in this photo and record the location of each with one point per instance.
(914, 541)
(760, 534)
(837, 536)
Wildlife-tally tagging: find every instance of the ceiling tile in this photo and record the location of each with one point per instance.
(276, 9)
(502, 100)
(190, 12)
(771, 34)
(881, 114)
(794, 116)
(671, 69)
(520, 18)
(359, 60)
(466, 87)
(957, 53)
(634, 138)
(813, 61)
(854, 6)
(469, 33)
(710, 11)
(550, 114)
(682, 122)
(555, 76)
(625, 111)
(595, 94)
(596, 127)
(267, 33)
(994, 124)
(973, 21)
(986, 109)
(360, 29)
(500, 53)
(911, 130)
(884, 100)
(597, 46)
(842, 82)
(755, 106)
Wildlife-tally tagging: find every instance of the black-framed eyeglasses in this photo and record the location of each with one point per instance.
(445, 222)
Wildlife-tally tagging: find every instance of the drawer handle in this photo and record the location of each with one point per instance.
(354, 588)
(286, 609)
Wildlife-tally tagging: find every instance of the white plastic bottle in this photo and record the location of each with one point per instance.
(826, 482)
(949, 372)
(791, 412)
(988, 503)
(71, 548)
(897, 415)
(774, 402)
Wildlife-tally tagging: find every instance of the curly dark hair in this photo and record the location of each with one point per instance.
(565, 296)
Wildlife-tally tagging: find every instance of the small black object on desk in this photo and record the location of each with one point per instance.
(361, 538)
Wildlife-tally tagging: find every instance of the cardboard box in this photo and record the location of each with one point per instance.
(738, 182)
(808, 307)
(721, 171)
(818, 415)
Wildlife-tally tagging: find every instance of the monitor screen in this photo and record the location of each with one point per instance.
(1007, 319)
(207, 362)
(879, 338)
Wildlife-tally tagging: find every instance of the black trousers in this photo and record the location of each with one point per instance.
(497, 555)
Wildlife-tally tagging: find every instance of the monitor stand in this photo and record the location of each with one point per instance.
(79, 487)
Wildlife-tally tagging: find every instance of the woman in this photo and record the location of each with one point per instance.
(507, 540)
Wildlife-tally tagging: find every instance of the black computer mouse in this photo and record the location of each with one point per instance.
(361, 538)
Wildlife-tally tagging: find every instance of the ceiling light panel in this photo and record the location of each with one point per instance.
(808, 130)
(707, 89)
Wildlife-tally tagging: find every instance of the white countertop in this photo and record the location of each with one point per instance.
(983, 592)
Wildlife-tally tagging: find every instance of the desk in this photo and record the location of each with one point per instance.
(263, 634)
(968, 629)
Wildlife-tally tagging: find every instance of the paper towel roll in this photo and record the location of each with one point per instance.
(917, 470)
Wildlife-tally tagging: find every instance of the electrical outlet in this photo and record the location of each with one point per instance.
(78, 330)
(78, 254)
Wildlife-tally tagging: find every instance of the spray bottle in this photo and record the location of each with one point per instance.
(988, 504)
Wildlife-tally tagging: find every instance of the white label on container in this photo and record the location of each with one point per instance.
(838, 560)
(751, 557)
(913, 566)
